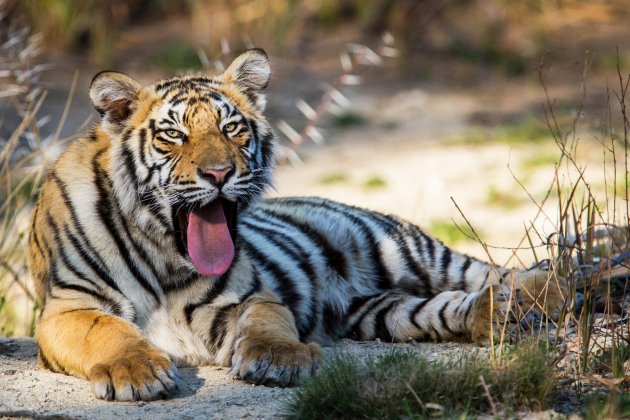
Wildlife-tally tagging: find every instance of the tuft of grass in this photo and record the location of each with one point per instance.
(451, 234)
(375, 182)
(333, 178)
(406, 384)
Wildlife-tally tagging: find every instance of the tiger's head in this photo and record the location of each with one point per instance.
(188, 152)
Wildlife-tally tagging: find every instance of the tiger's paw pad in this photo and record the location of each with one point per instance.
(274, 363)
(146, 375)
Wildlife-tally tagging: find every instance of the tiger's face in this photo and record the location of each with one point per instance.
(193, 150)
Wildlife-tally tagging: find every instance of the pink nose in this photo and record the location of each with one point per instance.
(217, 176)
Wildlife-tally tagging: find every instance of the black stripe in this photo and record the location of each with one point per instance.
(45, 362)
(470, 306)
(34, 230)
(382, 276)
(218, 328)
(302, 263)
(443, 317)
(218, 287)
(446, 261)
(420, 274)
(130, 166)
(137, 247)
(331, 319)
(357, 302)
(380, 325)
(416, 309)
(438, 336)
(87, 258)
(352, 328)
(256, 287)
(179, 285)
(424, 275)
(69, 311)
(104, 206)
(57, 282)
(65, 259)
(173, 115)
(292, 246)
(335, 259)
(286, 291)
(142, 134)
(465, 267)
(73, 215)
(430, 246)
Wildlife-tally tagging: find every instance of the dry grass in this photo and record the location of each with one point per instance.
(23, 157)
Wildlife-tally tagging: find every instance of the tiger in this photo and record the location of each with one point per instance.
(152, 248)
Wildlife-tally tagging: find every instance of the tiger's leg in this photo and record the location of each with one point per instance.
(267, 349)
(536, 290)
(448, 316)
(106, 349)
(430, 267)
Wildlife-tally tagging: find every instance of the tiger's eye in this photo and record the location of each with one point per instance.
(174, 134)
(229, 127)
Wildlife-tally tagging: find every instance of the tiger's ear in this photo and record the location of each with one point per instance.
(114, 96)
(251, 72)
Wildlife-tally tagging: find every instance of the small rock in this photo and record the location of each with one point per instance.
(142, 403)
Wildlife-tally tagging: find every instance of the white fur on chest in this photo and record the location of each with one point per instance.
(176, 338)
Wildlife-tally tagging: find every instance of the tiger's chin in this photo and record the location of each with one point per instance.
(206, 236)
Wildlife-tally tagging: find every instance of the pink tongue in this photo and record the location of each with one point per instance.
(210, 245)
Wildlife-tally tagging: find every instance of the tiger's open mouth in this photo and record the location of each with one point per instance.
(207, 236)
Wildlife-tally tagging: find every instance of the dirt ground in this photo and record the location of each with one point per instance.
(27, 391)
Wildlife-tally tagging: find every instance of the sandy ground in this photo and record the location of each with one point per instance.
(27, 391)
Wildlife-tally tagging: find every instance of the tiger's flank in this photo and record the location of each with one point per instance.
(152, 248)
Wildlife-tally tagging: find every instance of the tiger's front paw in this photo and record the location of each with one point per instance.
(274, 362)
(140, 374)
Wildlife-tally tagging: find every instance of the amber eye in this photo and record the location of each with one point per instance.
(175, 134)
(229, 127)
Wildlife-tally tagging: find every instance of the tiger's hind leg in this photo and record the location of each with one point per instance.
(396, 316)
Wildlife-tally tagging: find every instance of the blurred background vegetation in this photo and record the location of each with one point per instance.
(504, 34)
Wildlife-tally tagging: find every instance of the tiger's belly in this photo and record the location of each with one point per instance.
(184, 347)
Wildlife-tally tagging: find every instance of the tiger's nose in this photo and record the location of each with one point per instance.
(217, 176)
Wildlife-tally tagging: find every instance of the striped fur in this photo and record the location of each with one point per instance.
(123, 301)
